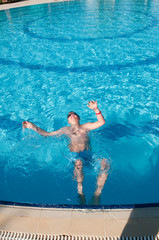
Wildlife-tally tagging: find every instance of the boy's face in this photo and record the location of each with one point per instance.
(73, 118)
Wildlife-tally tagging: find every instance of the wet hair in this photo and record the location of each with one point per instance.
(69, 114)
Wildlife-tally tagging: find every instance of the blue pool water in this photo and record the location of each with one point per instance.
(55, 58)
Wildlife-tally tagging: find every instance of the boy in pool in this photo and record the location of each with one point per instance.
(79, 144)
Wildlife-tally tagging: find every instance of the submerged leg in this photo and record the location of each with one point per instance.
(78, 174)
(102, 177)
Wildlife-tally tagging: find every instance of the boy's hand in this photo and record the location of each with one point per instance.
(92, 105)
(27, 124)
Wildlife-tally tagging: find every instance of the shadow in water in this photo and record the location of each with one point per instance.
(11, 127)
(117, 130)
(7, 124)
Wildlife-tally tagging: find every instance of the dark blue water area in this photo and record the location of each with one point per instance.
(29, 178)
(119, 188)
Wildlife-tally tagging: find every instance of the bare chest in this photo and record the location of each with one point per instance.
(78, 134)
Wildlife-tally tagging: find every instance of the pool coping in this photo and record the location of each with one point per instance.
(25, 3)
(73, 220)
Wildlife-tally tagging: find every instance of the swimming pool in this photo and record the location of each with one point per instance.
(55, 58)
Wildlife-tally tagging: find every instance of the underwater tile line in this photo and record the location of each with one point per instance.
(87, 69)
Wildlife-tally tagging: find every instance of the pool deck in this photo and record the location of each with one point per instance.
(80, 222)
(26, 3)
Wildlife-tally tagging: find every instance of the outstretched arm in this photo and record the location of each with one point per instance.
(100, 119)
(42, 132)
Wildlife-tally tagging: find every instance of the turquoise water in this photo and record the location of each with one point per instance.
(55, 58)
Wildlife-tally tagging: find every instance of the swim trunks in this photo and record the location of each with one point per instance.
(85, 156)
(89, 159)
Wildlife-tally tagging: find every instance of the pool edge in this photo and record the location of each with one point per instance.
(80, 221)
(27, 3)
(75, 206)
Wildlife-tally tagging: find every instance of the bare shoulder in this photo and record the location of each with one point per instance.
(92, 125)
(85, 126)
(65, 130)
